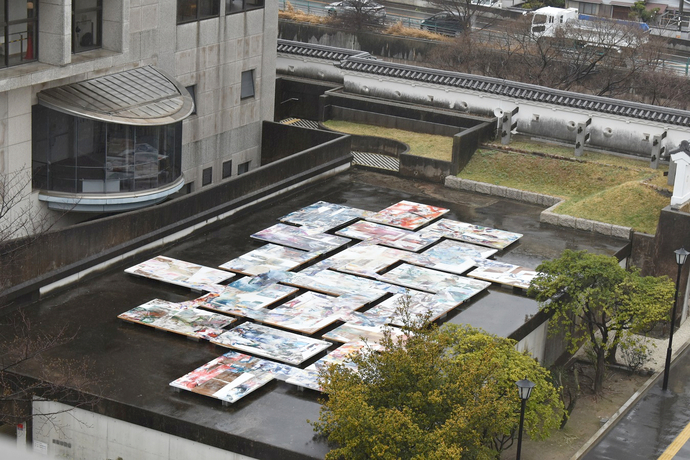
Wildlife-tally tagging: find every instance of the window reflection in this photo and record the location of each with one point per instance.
(78, 155)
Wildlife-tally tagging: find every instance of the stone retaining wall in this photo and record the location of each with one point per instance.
(548, 216)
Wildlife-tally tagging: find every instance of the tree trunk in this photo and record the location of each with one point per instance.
(600, 371)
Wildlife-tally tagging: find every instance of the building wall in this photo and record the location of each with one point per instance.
(209, 54)
(82, 435)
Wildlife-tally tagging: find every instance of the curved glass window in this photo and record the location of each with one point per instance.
(80, 155)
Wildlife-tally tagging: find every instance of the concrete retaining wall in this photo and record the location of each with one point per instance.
(70, 253)
(547, 216)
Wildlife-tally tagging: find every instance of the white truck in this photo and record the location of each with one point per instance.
(587, 30)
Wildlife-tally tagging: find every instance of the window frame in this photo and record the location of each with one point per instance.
(7, 23)
(98, 43)
(195, 5)
(207, 176)
(244, 95)
(227, 169)
(247, 5)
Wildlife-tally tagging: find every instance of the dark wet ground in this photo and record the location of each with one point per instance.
(654, 422)
(137, 363)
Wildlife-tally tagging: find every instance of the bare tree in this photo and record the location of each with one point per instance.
(463, 9)
(69, 381)
(356, 14)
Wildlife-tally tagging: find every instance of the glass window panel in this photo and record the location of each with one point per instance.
(247, 89)
(233, 6)
(206, 176)
(87, 31)
(227, 169)
(20, 43)
(209, 8)
(251, 4)
(186, 10)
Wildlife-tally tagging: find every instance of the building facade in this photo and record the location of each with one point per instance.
(112, 105)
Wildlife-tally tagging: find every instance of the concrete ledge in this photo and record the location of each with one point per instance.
(548, 216)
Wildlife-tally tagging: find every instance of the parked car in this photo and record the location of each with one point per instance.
(443, 23)
(373, 11)
(491, 3)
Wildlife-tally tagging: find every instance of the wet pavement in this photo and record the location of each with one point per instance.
(137, 363)
(657, 426)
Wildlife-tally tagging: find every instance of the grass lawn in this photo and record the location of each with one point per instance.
(604, 187)
(597, 186)
(423, 145)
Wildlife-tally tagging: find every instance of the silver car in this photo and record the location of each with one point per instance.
(371, 10)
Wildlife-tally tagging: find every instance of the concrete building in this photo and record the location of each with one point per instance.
(115, 105)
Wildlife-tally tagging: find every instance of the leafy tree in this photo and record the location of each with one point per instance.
(639, 11)
(597, 303)
(443, 393)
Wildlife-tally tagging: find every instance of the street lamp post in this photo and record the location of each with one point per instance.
(681, 256)
(525, 390)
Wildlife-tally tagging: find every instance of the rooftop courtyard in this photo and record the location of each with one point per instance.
(138, 363)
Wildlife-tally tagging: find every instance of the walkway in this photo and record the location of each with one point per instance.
(658, 425)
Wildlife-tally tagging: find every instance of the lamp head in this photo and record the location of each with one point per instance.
(525, 388)
(681, 256)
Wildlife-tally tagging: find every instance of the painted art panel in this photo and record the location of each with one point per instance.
(365, 259)
(229, 377)
(309, 378)
(179, 319)
(503, 273)
(271, 343)
(181, 273)
(459, 249)
(325, 216)
(259, 282)
(443, 258)
(420, 306)
(267, 258)
(476, 234)
(307, 313)
(408, 215)
(300, 238)
(335, 283)
(237, 302)
(388, 236)
(422, 279)
(349, 332)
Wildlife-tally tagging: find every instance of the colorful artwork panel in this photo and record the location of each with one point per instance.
(267, 258)
(325, 216)
(307, 313)
(179, 319)
(349, 332)
(150, 312)
(506, 274)
(335, 283)
(477, 234)
(420, 306)
(299, 238)
(257, 283)
(181, 273)
(458, 249)
(271, 343)
(388, 236)
(309, 378)
(443, 258)
(408, 215)
(237, 302)
(425, 279)
(228, 378)
(365, 259)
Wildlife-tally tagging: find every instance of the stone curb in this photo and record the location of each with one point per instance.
(548, 216)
